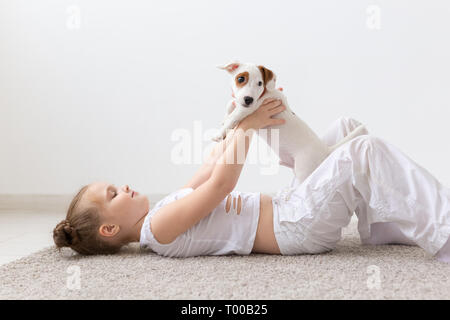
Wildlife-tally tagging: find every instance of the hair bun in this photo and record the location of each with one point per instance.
(64, 235)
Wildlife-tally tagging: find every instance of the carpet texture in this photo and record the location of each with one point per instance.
(351, 271)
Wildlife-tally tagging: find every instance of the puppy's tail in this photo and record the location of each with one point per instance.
(358, 131)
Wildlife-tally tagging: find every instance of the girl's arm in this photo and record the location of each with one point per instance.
(205, 171)
(176, 217)
(229, 165)
(207, 167)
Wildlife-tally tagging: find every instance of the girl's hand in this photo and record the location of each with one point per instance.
(262, 117)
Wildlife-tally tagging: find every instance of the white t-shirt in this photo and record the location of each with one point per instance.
(219, 233)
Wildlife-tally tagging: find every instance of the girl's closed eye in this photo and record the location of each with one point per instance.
(115, 194)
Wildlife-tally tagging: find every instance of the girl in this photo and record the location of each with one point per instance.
(394, 199)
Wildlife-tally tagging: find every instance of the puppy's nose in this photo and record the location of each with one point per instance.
(248, 100)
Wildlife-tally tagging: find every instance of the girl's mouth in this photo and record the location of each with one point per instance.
(132, 194)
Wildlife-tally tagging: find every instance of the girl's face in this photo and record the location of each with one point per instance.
(122, 210)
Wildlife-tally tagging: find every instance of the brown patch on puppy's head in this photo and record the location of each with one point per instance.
(266, 74)
(241, 79)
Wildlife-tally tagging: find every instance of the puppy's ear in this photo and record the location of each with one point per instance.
(266, 74)
(230, 67)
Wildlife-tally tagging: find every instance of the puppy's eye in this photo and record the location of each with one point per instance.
(241, 79)
(260, 83)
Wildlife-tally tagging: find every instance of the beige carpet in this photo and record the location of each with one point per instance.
(351, 271)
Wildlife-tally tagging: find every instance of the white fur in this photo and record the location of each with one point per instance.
(299, 147)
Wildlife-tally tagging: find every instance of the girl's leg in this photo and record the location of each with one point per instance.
(381, 232)
(339, 129)
(404, 203)
(283, 203)
(444, 253)
(387, 233)
(377, 181)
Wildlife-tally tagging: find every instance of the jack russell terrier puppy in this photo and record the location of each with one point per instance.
(299, 147)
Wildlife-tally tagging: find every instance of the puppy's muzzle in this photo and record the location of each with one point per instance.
(248, 101)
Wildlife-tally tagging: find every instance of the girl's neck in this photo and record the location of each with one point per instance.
(135, 233)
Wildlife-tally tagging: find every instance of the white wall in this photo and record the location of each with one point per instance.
(98, 97)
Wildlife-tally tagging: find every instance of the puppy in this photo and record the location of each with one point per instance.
(299, 147)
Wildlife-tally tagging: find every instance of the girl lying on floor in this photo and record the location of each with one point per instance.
(395, 200)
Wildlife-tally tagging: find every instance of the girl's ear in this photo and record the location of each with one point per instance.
(108, 230)
(230, 67)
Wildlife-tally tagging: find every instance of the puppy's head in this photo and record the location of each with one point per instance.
(249, 82)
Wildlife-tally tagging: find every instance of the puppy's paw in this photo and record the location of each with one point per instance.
(219, 137)
(234, 124)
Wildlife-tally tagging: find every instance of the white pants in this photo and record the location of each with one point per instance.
(395, 200)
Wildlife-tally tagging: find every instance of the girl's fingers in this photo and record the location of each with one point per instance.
(273, 104)
(277, 121)
(268, 101)
(277, 109)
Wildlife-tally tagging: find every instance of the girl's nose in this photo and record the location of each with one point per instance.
(126, 188)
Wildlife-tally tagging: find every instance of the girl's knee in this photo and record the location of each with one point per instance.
(366, 141)
(349, 125)
(349, 122)
(371, 141)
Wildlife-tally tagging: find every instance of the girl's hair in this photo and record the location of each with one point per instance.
(79, 230)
